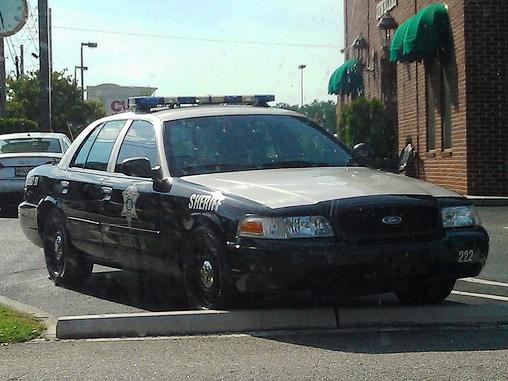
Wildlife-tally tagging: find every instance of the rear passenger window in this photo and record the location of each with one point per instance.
(80, 158)
(139, 142)
(101, 149)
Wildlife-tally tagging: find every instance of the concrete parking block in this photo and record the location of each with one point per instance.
(407, 316)
(192, 322)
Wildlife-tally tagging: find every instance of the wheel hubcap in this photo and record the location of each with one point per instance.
(58, 246)
(207, 274)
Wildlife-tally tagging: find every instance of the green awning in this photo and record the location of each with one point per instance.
(397, 44)
(347, 79)
(425, 35)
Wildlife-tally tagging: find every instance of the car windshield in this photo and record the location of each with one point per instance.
(248, 142)
(22, 145)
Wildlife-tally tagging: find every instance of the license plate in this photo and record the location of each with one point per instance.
(22, 171)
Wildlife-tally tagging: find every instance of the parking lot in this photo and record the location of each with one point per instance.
(23, 278)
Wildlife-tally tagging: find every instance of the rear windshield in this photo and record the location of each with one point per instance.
(21, 145)
(248, 142)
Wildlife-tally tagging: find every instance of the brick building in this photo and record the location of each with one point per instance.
(452, 104)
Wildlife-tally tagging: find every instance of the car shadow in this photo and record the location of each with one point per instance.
(429, 339)
(135, 289)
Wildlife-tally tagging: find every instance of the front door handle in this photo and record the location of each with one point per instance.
(106, 193)
(65, 186)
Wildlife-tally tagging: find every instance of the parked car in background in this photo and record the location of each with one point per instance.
(21, 152)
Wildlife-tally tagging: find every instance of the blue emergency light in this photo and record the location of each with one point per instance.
(145, 104)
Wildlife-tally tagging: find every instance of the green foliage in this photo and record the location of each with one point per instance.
(12, 125)
(70, 113)
(367, 121)
(321, 112)
(16, 327)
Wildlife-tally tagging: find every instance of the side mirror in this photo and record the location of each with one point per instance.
(138, 167)
(363, 153)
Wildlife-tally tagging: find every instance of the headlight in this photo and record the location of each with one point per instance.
(285, 227)
(460, 216)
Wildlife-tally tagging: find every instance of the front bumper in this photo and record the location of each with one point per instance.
(320, 264)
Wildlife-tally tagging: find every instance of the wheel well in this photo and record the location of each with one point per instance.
(199, 221)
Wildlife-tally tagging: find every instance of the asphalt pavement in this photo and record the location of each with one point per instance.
(23, 278)
(430, 354)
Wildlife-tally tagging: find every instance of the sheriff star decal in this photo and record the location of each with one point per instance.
(130, 196)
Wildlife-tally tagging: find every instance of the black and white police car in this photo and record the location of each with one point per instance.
(236, 198)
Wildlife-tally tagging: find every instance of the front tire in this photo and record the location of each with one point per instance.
(425, 292)
(208, 284)
(65, 264)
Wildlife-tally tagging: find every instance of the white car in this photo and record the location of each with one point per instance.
(21, 152)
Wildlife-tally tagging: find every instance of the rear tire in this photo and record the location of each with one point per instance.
(425, 292)
(65, 264)
(208, 284)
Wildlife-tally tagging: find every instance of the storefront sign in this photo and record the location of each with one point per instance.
(385, 5)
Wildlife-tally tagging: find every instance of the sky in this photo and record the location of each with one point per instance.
(198, 47)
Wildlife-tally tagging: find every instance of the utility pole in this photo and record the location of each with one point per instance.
(44, 68)
(301, 67)
(22, 60)
(2, 78)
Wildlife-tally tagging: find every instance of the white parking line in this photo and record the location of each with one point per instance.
(484, 296)
(486, 282)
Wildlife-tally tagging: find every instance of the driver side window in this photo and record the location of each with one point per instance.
(139, 142)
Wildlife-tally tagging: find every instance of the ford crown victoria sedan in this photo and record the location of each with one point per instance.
(235, 199)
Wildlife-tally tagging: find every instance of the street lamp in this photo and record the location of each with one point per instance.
(85, 68)
(301, 67)
(82, 68)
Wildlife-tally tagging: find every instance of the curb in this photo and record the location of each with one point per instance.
(488, 201)
(182, 323)
(192, 323)
(49, 320)
(418, 316)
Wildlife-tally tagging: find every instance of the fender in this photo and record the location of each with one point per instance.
(43, 208)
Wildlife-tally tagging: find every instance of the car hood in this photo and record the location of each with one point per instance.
(278, 188)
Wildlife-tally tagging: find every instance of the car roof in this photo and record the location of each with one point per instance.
(17, 135)
(166, 114)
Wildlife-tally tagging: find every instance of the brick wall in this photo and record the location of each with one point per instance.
(487, 95)
(466, 168)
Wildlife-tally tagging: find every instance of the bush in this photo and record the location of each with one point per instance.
(13, 125)
(367, 121)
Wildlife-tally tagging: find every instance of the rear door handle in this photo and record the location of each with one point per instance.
(106, 193)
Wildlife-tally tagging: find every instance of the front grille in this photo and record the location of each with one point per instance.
(360, 220)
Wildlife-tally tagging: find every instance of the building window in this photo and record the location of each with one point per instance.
(430, 100)
(438, 94)
(446, 111)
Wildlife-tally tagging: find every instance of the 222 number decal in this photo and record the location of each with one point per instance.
(466, 256)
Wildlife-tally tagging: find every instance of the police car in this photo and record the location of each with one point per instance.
(235, 199)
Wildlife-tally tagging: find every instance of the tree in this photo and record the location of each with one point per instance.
(367, 121)
(70, 113)
(321, 112)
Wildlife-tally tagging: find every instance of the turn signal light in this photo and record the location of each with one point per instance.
(251, 227)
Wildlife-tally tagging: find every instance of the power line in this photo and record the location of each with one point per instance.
(182, 38)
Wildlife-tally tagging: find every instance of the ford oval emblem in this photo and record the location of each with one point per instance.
(392, 220)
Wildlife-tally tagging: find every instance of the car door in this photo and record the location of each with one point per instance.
(81, 191)
(130, 220)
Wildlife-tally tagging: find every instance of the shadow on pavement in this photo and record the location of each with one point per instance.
(157, 294)
(417, 340)
(134, 289)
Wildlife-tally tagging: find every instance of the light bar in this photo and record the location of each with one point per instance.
(145, 104)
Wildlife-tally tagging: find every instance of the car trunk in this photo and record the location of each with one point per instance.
(14, 166)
